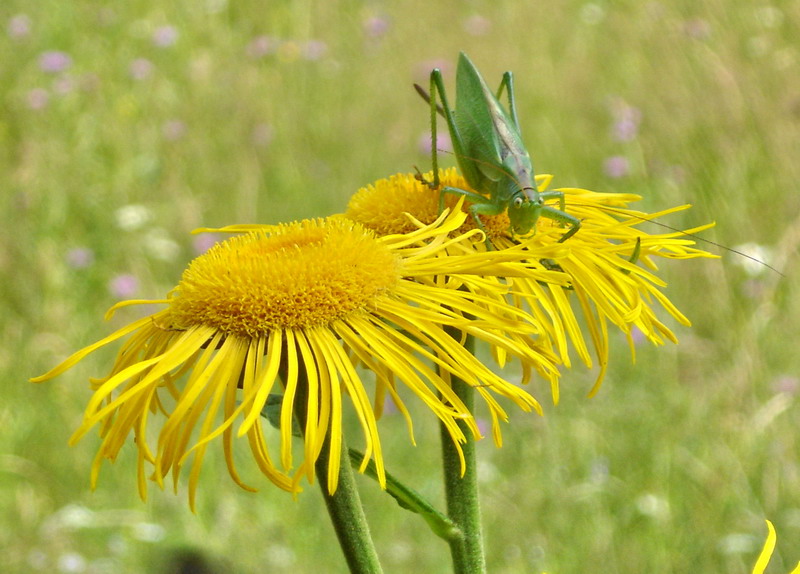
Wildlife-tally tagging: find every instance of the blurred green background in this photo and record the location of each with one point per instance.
(123, 126)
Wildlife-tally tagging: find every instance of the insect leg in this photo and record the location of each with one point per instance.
(479, 205)
(437, 87)
(507, 83)
(559, 214)
(562, 203)
(562, 217)
(427, 97)
(434, 150)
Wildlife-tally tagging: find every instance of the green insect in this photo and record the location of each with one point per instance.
(490, 153)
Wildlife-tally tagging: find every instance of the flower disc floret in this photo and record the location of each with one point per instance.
(295, 276)
(382, 205)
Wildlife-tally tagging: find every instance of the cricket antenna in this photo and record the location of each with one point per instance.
(704, 240)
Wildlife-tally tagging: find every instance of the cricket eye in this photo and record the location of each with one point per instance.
(519, 201)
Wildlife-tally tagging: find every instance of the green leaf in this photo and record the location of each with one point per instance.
(272, 412)
(411, 500)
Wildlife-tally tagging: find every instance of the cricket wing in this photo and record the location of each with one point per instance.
(476, 107)
(496, 143)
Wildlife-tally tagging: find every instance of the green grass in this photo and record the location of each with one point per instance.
(671, 468)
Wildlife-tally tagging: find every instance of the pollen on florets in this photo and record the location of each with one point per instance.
(299, 275)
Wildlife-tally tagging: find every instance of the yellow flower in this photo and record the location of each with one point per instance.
(766, 552)
(292, 308)
(604, 285)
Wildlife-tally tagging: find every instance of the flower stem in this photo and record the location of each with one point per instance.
(344, 506)
(461, 492)
(347, 514)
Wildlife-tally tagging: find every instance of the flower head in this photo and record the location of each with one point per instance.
(384, 205)
(291, 309)
(140, 68)
(19, 26)
(165, 36)
(604, 286)
(54, 61)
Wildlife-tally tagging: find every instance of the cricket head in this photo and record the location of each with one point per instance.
(524, 212)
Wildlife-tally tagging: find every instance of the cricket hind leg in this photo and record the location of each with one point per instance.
(507, 83)
(479, 205)
(437, 88)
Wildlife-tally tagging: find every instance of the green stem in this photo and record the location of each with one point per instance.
(347, 514)
(461, 492)
(344, 506)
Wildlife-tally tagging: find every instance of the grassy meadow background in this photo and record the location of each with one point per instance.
(125, 125)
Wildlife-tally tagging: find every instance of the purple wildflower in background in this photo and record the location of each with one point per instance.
(389, 406)
(38, 98)
(261, 46)
(625, 130)
(477, 25)
(80, 257)
(314, 50)
(443, 143)
(789, 384)
(165, 36)
(173, 130)
(19, 26)
(203, 242)
(637, 336)
(64, 85)
(376, 26)
(54, 61)
(140, 68)
(616, 166)
(626, 122)
(123, 286)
